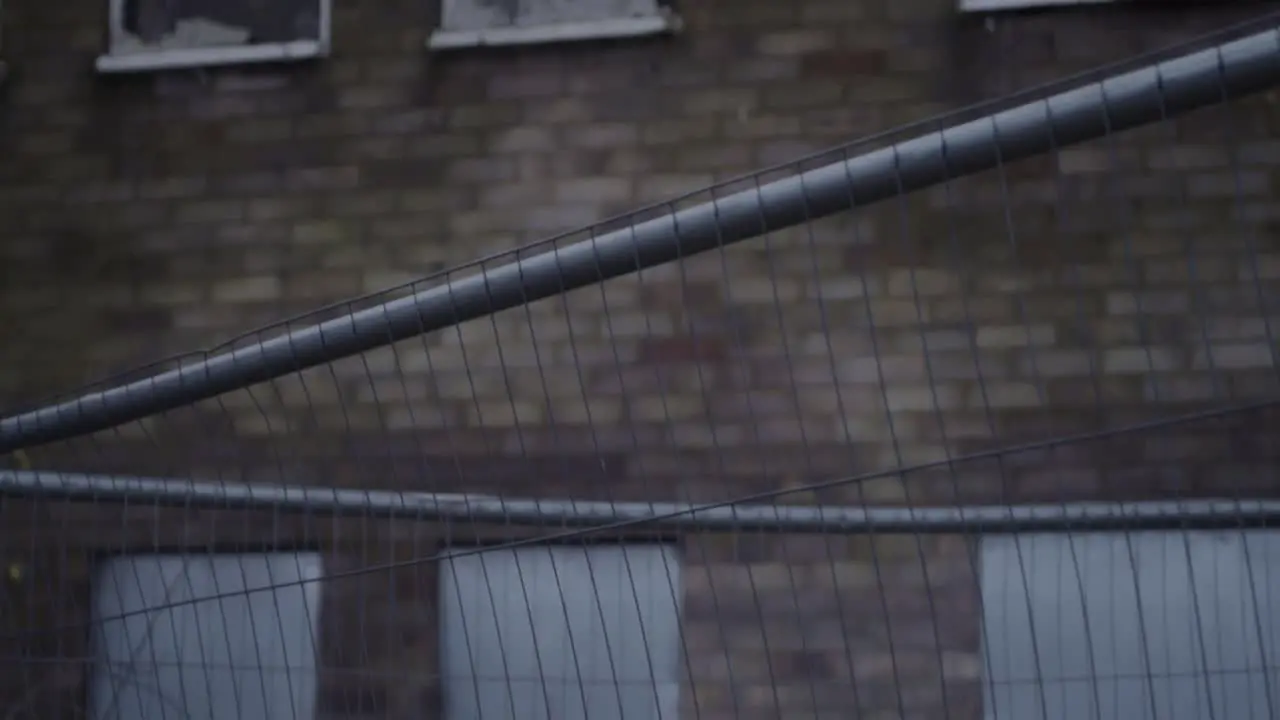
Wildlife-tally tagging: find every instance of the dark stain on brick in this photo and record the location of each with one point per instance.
(806, 663)
(676, 350)
(403, 172)
(845, 63)
(149, 321)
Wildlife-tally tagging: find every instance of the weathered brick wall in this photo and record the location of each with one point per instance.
(145, 216)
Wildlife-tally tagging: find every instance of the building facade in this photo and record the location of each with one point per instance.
(1100, 287)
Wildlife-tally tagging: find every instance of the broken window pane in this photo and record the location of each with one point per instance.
(150, 25)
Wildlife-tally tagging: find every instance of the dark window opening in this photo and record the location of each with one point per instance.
(220, 22)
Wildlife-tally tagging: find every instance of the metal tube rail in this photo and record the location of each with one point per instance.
(1232, 69)
(663, 516)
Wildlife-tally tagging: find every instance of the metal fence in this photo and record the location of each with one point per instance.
(976, 423)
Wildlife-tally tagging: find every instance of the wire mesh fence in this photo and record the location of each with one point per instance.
(979, 425)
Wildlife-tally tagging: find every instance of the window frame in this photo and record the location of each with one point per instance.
(663, 21)
(114, 62)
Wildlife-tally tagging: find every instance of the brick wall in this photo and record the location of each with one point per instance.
(141, 217)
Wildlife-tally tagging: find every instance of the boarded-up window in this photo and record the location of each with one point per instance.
(561, 633)
(247, 652)
(1154, 625)
(998, 5)
(466, 23)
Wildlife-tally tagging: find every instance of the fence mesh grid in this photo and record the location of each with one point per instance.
(999, 448)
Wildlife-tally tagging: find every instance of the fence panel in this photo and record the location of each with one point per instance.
(975, 421)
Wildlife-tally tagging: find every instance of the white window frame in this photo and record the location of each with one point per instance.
(583, 616)
(113, 62)
(1227, 581)
(1005, 5)
(156, 642)
(664, 21)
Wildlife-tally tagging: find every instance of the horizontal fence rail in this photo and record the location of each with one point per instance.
(606, 516)
(1160, 91)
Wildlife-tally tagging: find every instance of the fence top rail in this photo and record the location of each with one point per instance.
(1131, 99)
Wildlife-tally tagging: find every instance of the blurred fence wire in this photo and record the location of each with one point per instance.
(973, 419)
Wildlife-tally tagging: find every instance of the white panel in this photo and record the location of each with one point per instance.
(997, 5)
(1172, 632)
(248, 656)
(561, 633)
(464, 15)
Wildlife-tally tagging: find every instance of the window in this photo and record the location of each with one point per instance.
(561, 633)
(165, 34)
(1179, 625)
(246, 654)
(469, 23)
(995, 5)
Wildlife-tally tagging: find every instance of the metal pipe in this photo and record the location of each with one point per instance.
(1125, 101)
(714, 517)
